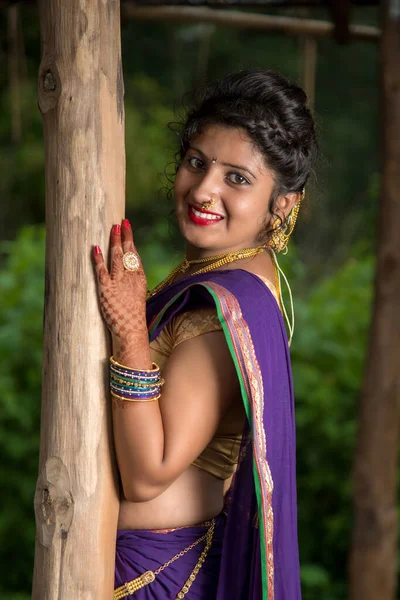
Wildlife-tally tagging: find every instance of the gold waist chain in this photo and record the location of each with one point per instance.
(130, 587)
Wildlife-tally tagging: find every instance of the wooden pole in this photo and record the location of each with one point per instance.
(308, 67)
(81, 100)
(340, 11)
(373, 558)
(203, 56)
(14, 73)
(241, 19)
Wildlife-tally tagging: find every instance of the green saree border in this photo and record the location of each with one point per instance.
(246, 402)
(267, 592)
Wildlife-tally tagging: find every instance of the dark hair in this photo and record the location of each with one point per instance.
(274, 113)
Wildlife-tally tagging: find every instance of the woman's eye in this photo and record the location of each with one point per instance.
(237, 178)
(195, 163)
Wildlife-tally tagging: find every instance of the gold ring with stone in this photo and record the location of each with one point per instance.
(131, 261)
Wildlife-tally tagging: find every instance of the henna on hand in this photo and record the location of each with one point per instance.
(122, 296)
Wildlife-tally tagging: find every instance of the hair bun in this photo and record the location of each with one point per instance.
(274, 113)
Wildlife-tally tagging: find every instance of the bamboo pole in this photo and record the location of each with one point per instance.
(81, 100)
(373, 558)
(241, 19)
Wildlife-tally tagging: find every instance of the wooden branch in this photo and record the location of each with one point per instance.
(247, 3)
(373, 560)
(234, 18)
(217, 3)
(224, 3)
(81, 100)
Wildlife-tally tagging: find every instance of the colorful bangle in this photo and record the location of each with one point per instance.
(134, 374)
(153, 381)
(132, 390)
(144, 372)
(135, 385)
(129, 380)
(141, 385)
(134, 399)
(131, 375)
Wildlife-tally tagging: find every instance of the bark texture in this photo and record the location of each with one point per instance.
(373, 559)
(81, 100)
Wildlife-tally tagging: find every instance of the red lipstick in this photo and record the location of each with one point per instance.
(205, 211)
(195, 218)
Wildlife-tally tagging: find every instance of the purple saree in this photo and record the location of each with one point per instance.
(258, 546)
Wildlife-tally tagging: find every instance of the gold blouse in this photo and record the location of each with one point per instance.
(220, 457)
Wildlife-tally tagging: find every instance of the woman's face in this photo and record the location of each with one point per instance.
(222, 164)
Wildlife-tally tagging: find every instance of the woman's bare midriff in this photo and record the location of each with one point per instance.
(194, 497)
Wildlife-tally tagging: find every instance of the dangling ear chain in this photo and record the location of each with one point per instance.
(279, 272)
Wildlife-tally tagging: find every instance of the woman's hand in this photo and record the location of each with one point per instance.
(122, 292)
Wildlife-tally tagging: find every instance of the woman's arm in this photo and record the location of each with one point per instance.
(157, 441)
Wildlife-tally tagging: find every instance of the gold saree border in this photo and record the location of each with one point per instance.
(252, 377)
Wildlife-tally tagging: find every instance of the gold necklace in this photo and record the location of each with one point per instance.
(216, 261)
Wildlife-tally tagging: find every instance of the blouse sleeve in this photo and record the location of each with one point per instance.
(183, 327)
(194, 323)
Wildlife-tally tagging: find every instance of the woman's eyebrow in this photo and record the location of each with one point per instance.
(239, 167)
(197, 150)
(224, 164)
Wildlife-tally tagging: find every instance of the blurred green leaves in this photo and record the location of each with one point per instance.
(149, 142)
(21, 309)
(327, 354)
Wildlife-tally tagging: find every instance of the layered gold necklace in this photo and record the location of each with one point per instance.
(215, 262)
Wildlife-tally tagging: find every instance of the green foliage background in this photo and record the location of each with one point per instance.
(330, 264)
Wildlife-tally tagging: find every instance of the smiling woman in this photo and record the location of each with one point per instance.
(240, 193)
(206, 447)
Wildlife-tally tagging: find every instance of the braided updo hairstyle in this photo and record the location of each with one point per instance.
(274, 113)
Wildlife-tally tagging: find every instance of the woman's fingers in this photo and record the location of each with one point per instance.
(127, 242)
(116, 266)
(115, 238)
(127, 237)
(97, 255)
(121, 241)
(122, 237)
(100, 266)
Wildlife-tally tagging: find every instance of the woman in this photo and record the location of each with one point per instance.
(203, 414)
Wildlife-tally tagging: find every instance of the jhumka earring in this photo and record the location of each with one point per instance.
(282, 231)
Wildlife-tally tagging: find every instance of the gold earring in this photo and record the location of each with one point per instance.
(283, 230)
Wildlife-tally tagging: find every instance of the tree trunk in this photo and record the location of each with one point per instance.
(373, 560)
(81, 99)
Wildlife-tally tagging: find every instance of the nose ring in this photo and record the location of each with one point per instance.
(210, 203)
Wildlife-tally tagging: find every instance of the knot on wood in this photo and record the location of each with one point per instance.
(49, 82)
(54, 503)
